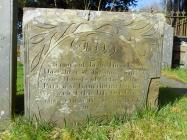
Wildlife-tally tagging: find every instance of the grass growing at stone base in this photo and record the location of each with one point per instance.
(20, 85)
(169, 122)
(178, 74)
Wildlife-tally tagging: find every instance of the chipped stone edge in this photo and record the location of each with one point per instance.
(31, 13)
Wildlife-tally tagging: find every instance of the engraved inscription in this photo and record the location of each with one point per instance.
(2, 38)
(87, 69)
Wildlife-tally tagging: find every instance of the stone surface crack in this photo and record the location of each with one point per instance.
(89, 14)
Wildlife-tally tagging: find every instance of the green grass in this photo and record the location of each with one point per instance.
(24, 129)
(20, 85)
(178, 74)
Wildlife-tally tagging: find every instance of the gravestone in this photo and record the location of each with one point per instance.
(7, 56)
(183, 54)
(81, 64)
(180, 52)
(167, 47)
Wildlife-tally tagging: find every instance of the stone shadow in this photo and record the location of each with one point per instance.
(170, 95)
(19, 104)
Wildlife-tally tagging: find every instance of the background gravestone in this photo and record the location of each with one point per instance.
(167, 46)
(183, 54)
(7, 56)
(180, 52)
(88, 63)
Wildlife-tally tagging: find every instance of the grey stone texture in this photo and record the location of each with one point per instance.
(7, 56)
(167, 47)
(81, 64)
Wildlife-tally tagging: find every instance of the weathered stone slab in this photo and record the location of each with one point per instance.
(180, 52)
(167, 46)
(183, 54)
(7, 41)
(88, 63)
